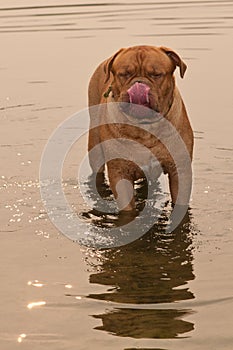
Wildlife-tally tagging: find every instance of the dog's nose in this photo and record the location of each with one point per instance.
(140, 81)
(139, 94)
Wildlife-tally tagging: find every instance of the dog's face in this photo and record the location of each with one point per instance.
(143, 77)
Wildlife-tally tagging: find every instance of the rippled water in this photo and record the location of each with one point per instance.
(163, 291)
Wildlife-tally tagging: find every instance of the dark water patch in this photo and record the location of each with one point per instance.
(16, 145)
(191, 21)
(17, 106)
(224, 149)
(53, 14)
(36, 7)
(80, 37)
(150, 324)
(47, 108)
(198, 18)
(205, 27)
(156, 265)
(188, 23)
(59, 30)
(176, 34)
(38, 82)
(36, 25)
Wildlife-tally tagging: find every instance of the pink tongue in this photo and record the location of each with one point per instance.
(139, 94)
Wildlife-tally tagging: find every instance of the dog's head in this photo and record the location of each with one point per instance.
(142, 79)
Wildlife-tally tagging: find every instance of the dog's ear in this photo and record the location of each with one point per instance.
(176, 59)
(108, 64)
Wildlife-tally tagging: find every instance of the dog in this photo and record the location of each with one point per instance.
(141, 114)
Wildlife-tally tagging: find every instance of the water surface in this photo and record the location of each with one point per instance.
(161, 291)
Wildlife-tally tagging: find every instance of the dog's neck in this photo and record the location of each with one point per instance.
(175, 108)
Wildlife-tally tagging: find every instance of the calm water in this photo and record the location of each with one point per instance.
(163, 291)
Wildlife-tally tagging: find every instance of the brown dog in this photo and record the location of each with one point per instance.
(147, 122)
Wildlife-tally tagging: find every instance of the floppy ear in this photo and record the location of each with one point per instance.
(176, 59)
(108, 64)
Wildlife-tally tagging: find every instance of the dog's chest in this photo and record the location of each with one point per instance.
(135, 152)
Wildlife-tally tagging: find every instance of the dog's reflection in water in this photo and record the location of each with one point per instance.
(145, 278)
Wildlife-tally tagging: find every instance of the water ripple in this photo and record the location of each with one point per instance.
(56, 18)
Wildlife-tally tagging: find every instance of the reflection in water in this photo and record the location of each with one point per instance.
(36, 304)
(21, 337)
(148, 270)
(154, 269)
(159, 324)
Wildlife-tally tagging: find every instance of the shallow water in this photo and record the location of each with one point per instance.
(161, 291)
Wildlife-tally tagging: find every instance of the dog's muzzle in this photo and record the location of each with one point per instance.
(139, 94)
(139, 105)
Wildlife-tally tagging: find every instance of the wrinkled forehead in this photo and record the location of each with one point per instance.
(152, 58)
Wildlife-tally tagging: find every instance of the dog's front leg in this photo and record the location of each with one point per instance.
(180, 187)
(95, 152)
(122, 188)
(180, 184)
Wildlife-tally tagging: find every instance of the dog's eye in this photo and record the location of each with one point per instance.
(155, 75)
(124, 74)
